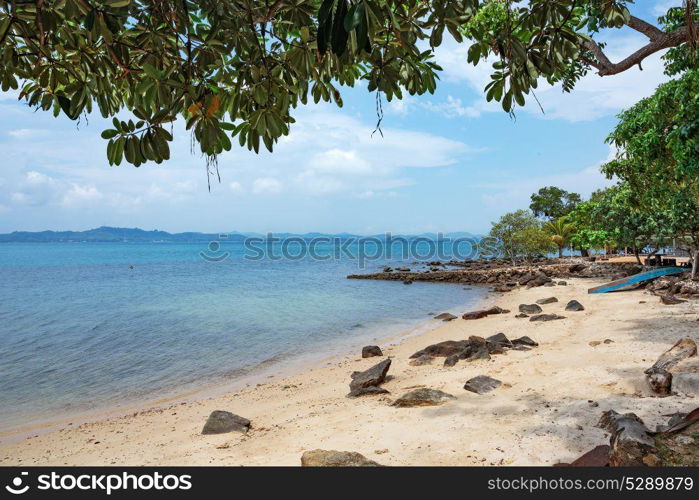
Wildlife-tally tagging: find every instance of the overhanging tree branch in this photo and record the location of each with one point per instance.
(659, 40)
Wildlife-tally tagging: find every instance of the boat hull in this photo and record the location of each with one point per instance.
(631, 282)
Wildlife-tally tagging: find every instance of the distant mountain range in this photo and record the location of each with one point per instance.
(107, 234)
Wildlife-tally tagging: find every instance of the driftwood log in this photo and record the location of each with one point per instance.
(631, 443)
(659, 376)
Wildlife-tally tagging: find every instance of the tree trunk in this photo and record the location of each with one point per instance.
(637, 254)
(695, 265)
(560, 252)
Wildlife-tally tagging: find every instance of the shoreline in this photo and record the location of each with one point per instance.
(545, 412)
(263, 372)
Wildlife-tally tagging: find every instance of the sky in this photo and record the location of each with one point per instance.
(447, 162)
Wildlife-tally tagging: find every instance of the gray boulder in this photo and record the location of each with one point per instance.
(373, 376)
(423, 359)
(372, 390)
(547, 300)
(446, 348)
(546, 317)
(530, 309)
(371, 351)
(445, 317)
(526, 341)
(220, 422)
(482, 384)
(422, 397)
(333, 458)
(475, 314)
(481, 352)
(451, 360)
(574, 305)
(499, 338)
(497, 310)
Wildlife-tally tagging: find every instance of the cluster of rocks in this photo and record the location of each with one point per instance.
(505, 277)
(475, 348)
(670, 287)
(534, 311)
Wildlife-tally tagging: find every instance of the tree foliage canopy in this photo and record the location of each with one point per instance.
(553, 202)
(626, 224)
(520, 234)
(559, 231)
(658, 158)
(235, 69)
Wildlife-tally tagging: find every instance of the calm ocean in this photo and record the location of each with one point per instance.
(92, 326)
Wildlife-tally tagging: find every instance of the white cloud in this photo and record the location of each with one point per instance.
(235, 187)
(266, 185)
(381, 194)
(79, 195)
(330, 152)
(453, 107)
(338, 161)
(37, 178)
(27, 133)
(401, 106)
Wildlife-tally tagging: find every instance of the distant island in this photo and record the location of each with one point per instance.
(106, 234)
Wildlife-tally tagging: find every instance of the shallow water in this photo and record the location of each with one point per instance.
(82, 330)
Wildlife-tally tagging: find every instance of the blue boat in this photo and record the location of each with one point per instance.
(631, 282)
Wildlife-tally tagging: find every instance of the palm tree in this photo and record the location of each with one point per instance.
(560, 231)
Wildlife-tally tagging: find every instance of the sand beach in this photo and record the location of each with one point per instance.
(545, 411)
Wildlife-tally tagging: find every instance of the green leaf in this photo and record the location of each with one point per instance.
(90, 20)
(325, 24)
(151, 71)
(66, 106)
(339, 34)
(117, 3)
(119, 150)
(436, 36)
(363, 30)
(354, 16)
(109, 133)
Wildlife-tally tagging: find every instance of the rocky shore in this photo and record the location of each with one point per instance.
(505, 277)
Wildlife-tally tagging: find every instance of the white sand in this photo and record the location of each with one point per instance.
(541, 415)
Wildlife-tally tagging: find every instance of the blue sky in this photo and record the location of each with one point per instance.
(447, 162)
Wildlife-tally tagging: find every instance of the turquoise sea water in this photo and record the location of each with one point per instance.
(91, 326)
